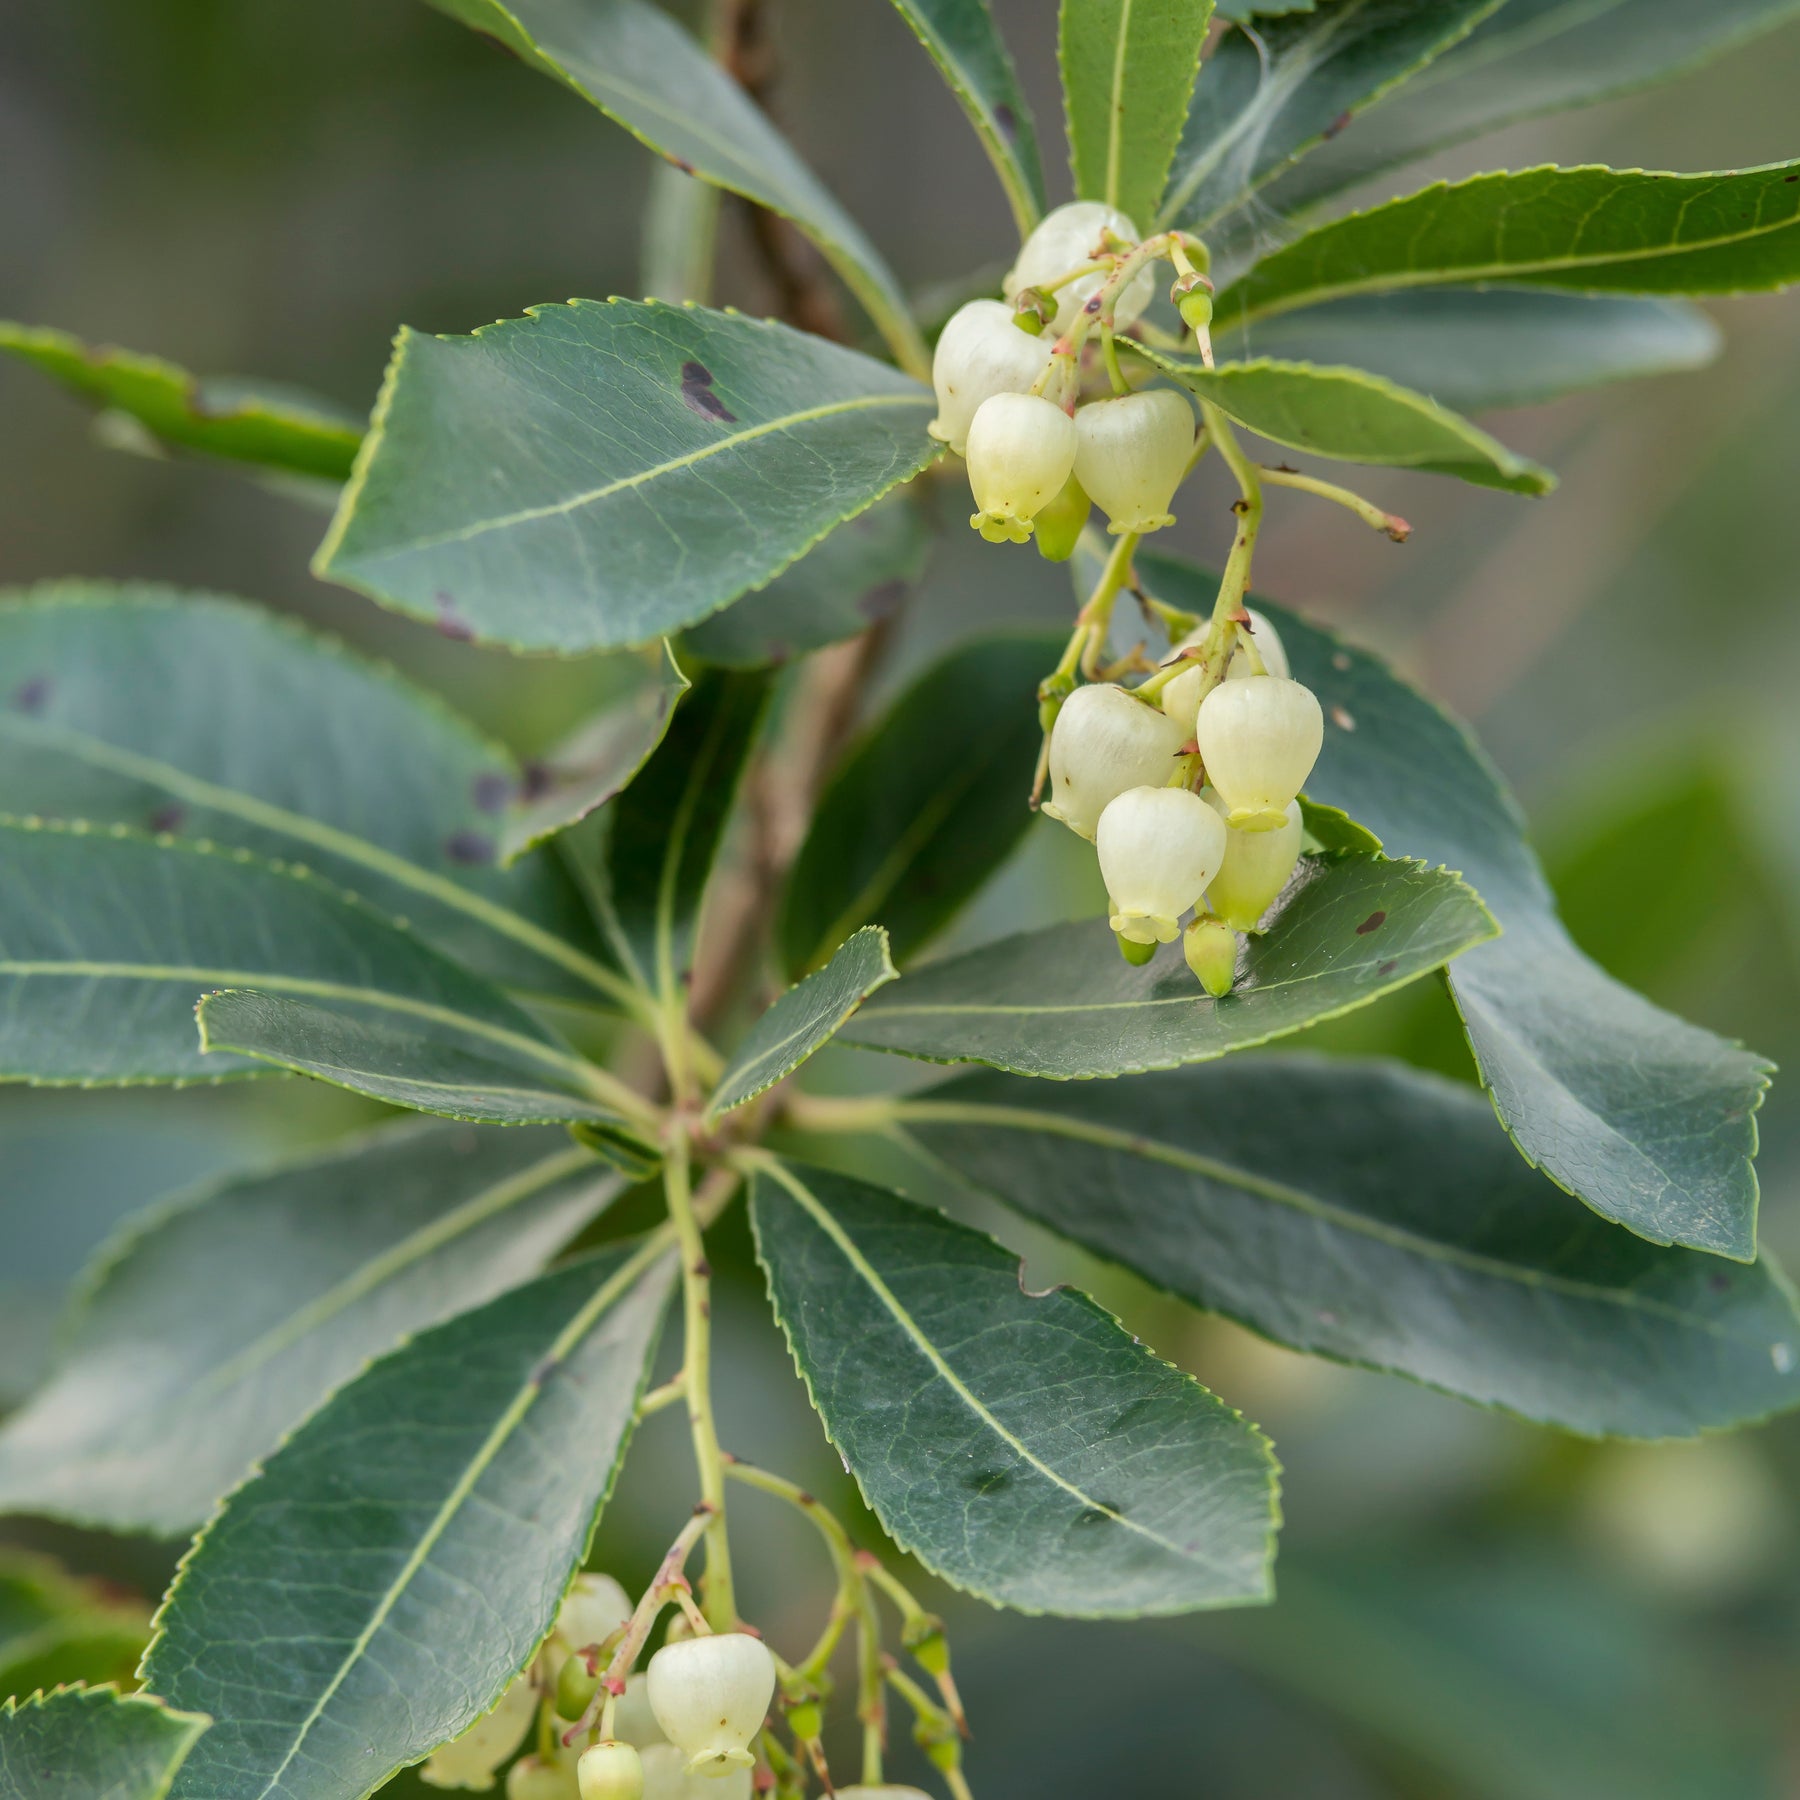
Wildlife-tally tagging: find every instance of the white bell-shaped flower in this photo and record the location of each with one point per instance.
(666, 1777)
(711, 1695)
(633, 1720)
(470, 1761)
(1256, 867)
(1159, 847)
(1181, 698)
(1064, 240)
(1259, 739)
(980, 353)
(595, 1608)
(1103, 743)
(889, 1791)
(532, 1778)
(1130, 454)
(610, 1770)
(1021, 450)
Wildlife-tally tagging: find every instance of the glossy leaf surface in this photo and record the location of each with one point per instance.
(1473, 348)
(643, 70)
(1354, 416)
(1062, 1002)
(1531, 57)
(1021, 1446)
(241, 421)
(1128, 70)
(1263, 103)
(1593, 230)
(469, 1518)
(206, 718)
(597, 475)
(211, 1328)
(1648, 1119)
(93, 1742)
(804, 1019)
(108, 940)
(966, 45)
(859, 576)
(926, 806)
(1373, 1214)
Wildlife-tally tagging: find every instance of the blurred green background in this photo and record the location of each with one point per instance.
(1468, 1607)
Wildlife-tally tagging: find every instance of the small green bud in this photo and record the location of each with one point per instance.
(1033, 309)
(945, 1752)
(1059, 525)
(1193, 295)
(924, 1638)
(1211, 950)
(1053, 690)
(575, 1688)
(806, 1719)
(1134, 953)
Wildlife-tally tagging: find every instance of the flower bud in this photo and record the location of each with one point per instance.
(1059, 525)
(1021, 449)
(666, 1778)
(531, 1778)
(595, 1608)
(1193, 298)
(610, 1770)
(1133, 952)
(1159, 847)
(980, 353)
(1181, 698)
(1032, 310)
(470, 1761)
(576, 1685)
(1104, 743)
(1259, 739)
(1064, 240)
(1256, 867)
(1131, 453)
(1211, 951)
(711, 1695)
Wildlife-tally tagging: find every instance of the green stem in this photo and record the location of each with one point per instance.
(1366, 510)
(696, 1297)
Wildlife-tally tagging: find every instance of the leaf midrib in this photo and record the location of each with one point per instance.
(687, 460)
(805, 1198)
(509, 1421)
(1395, 1237)
(99, 753)
(1397, 279)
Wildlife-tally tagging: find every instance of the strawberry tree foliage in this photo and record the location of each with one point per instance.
(377, 1382)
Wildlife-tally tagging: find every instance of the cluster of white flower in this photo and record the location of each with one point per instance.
(1008, 393)
(1190, 803)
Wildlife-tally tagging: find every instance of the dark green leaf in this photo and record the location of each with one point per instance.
(856, 578)
(1352, 415)
(1647, 1119)
(1063, 1003)
(1021, 1446)
(1592, 230)
(55, 1630)
(599, 759)
(1128, 69)
(183, 713)
(645, 859)
(1475, 348)
(1530, 58)
(332, 1646)
(967, 47)
(1265, 101)
(210, 1329)
(804, 1019)
(634, 62)
(926, 807)
(107, 940)
(94, 1743)
(599, 475)
(242, 421)
(1370, 1213)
